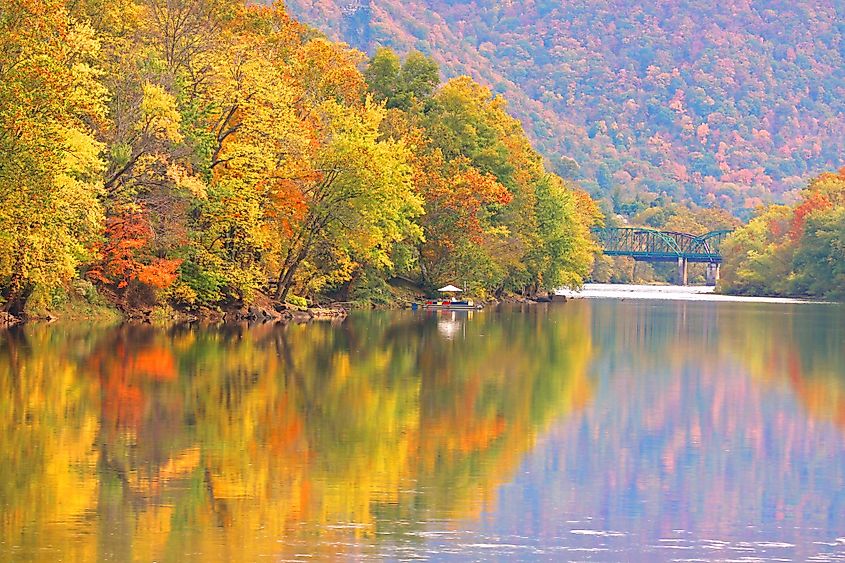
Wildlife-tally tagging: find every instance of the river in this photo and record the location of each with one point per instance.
(603, 429)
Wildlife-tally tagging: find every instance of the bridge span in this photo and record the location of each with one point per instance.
(652, 245)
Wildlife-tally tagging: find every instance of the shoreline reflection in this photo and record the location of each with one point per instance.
(135, 443)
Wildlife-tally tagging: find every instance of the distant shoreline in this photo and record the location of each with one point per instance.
(670, 293)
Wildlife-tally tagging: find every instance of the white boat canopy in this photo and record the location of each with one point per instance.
(450, 289)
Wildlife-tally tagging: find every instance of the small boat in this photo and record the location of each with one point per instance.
(450, 304)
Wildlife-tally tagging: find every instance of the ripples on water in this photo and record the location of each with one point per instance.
(592, 430)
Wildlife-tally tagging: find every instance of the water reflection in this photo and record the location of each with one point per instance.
(716, 432)
(451, 324)
(593, 430)
(134, 443)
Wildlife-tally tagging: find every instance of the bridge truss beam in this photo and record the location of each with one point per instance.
(652, 245)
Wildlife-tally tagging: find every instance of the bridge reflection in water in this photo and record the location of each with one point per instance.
(651, 245)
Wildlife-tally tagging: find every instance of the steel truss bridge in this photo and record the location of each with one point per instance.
(651, 245)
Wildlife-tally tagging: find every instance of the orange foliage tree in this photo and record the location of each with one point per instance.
(126, 257)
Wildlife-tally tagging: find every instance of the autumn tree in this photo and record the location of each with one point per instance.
(125, 257)
(359, 195)
(152, 69)
(50, 95)
(465, 121)
(757, 256)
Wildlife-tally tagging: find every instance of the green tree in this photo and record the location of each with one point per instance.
(360, 197)
(419, 77)
(756, 259)
(819, 260)
(401, 84)
(792, 250)
(382, 74)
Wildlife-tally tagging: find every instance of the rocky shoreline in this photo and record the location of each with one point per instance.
(8, 320)
(261, 310)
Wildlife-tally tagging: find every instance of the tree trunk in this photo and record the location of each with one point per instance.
(286, 288)
(18, 291)
(17, 296)
(423, 268)
(286, 276)
(281, 292)
(344, 294)
(286, 280)
(294, 259)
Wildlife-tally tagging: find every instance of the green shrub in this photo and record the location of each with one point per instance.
(297, 301)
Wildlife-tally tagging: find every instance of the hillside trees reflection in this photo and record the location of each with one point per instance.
(803, 353)
(248, 441)
(49, 424)
(705, 416)
(798, 347)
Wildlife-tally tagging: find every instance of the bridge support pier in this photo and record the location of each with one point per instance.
(713, 273)
(682, 271)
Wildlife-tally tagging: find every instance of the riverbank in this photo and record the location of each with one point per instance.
(93, 306)
(263, 309)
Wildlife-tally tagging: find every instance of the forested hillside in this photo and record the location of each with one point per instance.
(189, 152)
(729, 103)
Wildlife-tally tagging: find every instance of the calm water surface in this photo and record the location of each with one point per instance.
(593, 430)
